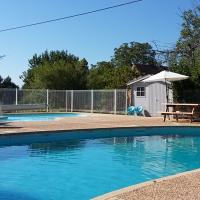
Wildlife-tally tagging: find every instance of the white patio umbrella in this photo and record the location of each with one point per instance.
(166, 76)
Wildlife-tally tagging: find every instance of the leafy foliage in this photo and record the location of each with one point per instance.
(101, 75)
(134, 53)
(186, 58)
(56, 70)
(60, 70)
(7, 83)
(105, 75)
(119, 71)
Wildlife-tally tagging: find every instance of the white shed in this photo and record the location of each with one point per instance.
(151, 96)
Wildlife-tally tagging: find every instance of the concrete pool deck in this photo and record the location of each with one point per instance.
(181, 186)
(89, 121)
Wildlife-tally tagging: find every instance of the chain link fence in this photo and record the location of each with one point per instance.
(94, 101)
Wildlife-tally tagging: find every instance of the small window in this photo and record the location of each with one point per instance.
(140, 91)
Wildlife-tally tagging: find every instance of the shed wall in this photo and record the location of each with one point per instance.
(155, 97)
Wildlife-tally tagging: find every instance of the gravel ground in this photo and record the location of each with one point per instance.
(183, 186)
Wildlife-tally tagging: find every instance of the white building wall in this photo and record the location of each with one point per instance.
(155, 97)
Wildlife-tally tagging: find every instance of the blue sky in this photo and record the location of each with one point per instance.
(93, 37)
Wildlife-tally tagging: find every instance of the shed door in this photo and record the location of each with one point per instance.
(157, 98)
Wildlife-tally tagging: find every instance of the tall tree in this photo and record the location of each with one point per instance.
(134, 53)
(119, 71)
(100, 75)
(56, 70)
(104, 75)
(7, 83)
(186, 59)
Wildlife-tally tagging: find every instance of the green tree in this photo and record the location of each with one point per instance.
(134, 53)
(101, 76)
(119, 71)
(122, 75)
(56, 70)
(7, 83)
(186, 58)
(104, 75)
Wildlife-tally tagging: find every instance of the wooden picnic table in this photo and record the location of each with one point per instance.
(180, 109)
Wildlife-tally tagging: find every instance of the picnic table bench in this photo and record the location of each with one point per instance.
(176, 112)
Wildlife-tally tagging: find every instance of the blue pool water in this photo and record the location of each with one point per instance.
(84, 168)
(38, 116)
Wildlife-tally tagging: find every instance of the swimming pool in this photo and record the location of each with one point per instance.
(85, 164)
(37, 116)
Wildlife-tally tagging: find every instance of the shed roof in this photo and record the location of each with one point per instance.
(146, 71)
(141, 78)
(149, 69)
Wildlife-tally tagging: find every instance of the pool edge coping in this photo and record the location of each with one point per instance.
(10, 133)
(130, 188)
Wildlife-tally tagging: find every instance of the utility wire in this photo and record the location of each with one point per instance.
(70, 16)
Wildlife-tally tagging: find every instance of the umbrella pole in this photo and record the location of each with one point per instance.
(167, 97)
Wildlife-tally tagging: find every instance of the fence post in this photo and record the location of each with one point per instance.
(72, 100)
(47, 100)
(92, 101)
(115, 101)
(16, 96)
(126, 104)
(66, 101)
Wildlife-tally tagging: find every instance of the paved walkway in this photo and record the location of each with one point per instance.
(184, 186)
(89, 121)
